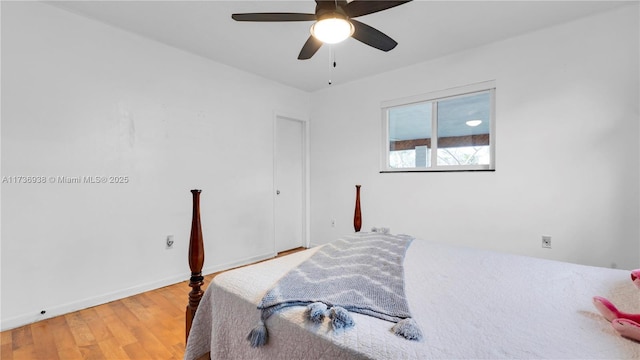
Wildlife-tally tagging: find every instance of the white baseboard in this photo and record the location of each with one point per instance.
(234, 264)
(24, 319)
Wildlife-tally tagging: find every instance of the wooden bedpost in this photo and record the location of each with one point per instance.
(196, 260)
(357, 217)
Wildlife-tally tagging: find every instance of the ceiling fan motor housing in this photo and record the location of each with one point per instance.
(328, 10)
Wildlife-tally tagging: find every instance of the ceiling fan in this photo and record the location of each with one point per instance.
(334, 15)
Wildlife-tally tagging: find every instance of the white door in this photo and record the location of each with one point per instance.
(289, 183)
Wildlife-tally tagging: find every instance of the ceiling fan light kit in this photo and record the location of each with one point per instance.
(332, 30)
(334, 17)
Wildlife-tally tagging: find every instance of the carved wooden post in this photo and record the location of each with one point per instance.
(357, 217)
(196, 260)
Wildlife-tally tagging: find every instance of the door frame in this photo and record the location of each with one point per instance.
(306, 217)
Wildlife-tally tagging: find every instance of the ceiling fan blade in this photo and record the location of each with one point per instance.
(310, 48)
(274, 17)
(372, 37)
(365, 7)
(333, 3)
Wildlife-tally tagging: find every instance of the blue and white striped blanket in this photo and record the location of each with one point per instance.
(361, 273)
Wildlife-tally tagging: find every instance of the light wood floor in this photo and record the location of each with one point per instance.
(145, 326)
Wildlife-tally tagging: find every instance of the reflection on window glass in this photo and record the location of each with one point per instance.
(465, 155)
(410, 135)
(463, 130)
(402, 159)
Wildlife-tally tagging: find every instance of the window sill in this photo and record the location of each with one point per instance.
(435, 171)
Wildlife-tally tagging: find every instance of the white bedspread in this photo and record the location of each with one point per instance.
(470, 304)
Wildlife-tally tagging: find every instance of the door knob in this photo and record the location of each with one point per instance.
(277, 192)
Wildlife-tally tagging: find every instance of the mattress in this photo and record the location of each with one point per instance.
(469, 303)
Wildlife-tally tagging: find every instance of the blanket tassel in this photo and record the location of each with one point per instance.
(340, 318)
(259, 335)
(316, 312)
(408, 329)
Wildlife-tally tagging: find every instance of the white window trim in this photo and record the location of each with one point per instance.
(439, 95)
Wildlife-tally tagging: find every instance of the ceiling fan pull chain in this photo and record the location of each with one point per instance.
(332, 57)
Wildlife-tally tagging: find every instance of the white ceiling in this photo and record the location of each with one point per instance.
(423, 29)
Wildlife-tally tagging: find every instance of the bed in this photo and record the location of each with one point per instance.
(469, 303)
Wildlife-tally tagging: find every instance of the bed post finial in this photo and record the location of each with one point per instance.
(357, 217)
(196, 260)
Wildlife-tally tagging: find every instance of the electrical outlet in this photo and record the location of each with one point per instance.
(546, 241)
(169, 241)
(383, 230)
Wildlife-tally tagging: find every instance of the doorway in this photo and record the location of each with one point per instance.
(290, 183)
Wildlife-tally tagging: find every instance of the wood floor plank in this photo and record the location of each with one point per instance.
(179, 295)
(22, 337)
(124, 313)
(178, 349)
(162, 310)
(73, 353)
(170, 335)
(136, 351)
(26, 352)
(112, 349)
(137, 309)
(160, 301)
(120, 330)
(43, 341)
(6, 337)
(6, 352)
(65, 342)
(152, 345)
(6, 349)
(95, 323)
(92, 352)
(79, 329)
(144, 300)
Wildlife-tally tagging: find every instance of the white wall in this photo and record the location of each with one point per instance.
(80, 98)
(567, 162)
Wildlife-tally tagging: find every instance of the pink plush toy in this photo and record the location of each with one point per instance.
(628, 325)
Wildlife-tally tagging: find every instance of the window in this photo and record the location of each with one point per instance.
(450, 130)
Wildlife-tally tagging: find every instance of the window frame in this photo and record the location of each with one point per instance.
(436, 96)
